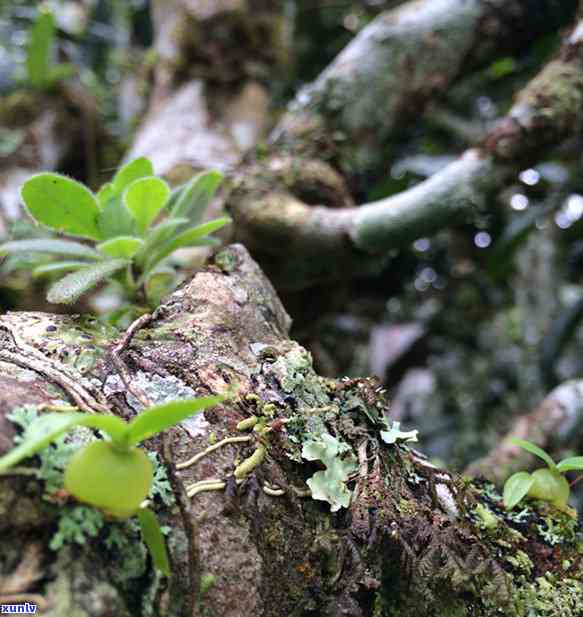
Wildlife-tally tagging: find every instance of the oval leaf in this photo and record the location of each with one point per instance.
(516, 488)
(62, 204)
(154, 540)
(48, 245)
(159, 417)
(575, 463)
(48, 427)
(193, 199)
(134, 170)
(534, 449)
(124, 247)
(145, 198)
(72, 286)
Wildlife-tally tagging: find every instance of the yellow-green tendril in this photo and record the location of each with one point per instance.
(220, 444)
(247, 424)
(249, 464)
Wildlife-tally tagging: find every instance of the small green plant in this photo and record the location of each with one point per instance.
(42, 73)
(547, 484)
(128, 247)
(114, 476)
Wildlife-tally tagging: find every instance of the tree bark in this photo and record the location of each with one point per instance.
(415, 540)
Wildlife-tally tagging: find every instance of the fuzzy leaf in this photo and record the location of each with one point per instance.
(340, 462)
(48, 245)
(58, 267)
(534, 449)
(158, 234)
(193, 199)
(154, 540)
(195, 236)
(123, 247)
(144, 198)
(159, 417)
(134, 170)
(47, 428)
(574, 463)
(74, 285)
(394, 434)
(62, 204)
(39, 49)
(516, 488)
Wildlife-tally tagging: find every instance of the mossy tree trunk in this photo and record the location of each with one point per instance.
(415, 539)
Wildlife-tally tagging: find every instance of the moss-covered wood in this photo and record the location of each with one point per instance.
(416, 540)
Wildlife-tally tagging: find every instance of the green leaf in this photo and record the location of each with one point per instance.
(534, 449)
(134, 170)
(58, 267)
(159, 417)
(516, 488)
(193, 199)
(340, 462)
(574, 463)
(60, 72)
(105, 193)
(115, 219)
(53, 247)
(154, 540)
(72, 286)
(124, 247)
(191, 237)
(161, 232)
(40, 48)
(394, 433)
(47, 428)
(144, 198)
(62, 204)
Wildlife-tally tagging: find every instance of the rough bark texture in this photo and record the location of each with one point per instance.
(416, 540)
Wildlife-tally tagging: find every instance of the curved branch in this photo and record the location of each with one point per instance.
(546, 111)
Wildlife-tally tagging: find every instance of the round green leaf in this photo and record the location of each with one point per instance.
(145, 198)
(516, 488)
(138, 168)
(110, 478)
(124, 247)
(62, 204)
(549, 485)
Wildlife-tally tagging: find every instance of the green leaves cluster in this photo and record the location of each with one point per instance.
(340, 462)
(42, 72)
(547, 484)
(113, 476)
(119, 221)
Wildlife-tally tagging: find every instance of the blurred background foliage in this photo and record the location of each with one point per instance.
(466, 329)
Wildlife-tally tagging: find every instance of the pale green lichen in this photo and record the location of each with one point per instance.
(340, 462)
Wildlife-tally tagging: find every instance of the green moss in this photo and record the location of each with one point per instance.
(548, 596)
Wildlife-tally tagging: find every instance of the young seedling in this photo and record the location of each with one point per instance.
(546, 484)
(119, 221)
(114, 476)
(42, 73)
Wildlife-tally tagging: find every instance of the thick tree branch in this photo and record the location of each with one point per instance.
(416, 540)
